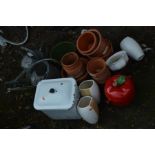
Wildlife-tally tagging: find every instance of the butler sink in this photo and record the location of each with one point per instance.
(57, 98)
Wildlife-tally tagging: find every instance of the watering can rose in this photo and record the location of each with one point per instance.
(120, 90)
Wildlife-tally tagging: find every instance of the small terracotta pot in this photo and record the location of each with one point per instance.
(98, 70)
(77, 71)
(86, 42)
(72, 65)
(70, 60)
(85, 75)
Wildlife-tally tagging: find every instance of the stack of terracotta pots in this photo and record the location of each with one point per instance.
(92, 44)
(94, 47)
(98, 49)
(74, 66)
(98, 70)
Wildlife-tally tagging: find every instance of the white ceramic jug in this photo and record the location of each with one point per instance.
(88, 109)
(132, 48)
(117, 61)
(90, 88)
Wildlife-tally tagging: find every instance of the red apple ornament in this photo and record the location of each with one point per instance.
(120, 90)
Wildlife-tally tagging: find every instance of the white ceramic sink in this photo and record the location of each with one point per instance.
(56, 95)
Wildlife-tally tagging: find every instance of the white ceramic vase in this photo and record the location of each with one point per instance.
(90, 88)
(132, 47)
(117, 61)
(88, 109)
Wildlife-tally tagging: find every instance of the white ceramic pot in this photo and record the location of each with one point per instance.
(117, 61)
(90, 88)
(132, 48)
(88, 109)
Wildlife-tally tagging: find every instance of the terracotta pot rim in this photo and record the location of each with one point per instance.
(93, 46)
(94, 52)
(67, 54)
(99, 41)
(97, 34)
(77, 72)
(94, 60)
(109, 51)
(84, 62)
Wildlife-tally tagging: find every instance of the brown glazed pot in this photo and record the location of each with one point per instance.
(72, 65)
(98, 70)
(86, 42)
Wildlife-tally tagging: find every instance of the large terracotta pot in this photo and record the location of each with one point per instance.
(100, 46)
(86, 43)
(73, 65)
(98, 70)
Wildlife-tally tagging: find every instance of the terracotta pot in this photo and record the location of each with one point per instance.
(72, 65)
(107, 51)
(98, 70)
(86, 42)
(103, 43)
(101, 47)
(70, 60)
(85, 75)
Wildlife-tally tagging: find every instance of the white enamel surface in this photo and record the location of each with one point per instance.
(63, 98)
(132, 48)
(87, 113)
(121, 62)
(94, 90)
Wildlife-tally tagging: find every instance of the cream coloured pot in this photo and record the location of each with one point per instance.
(88, 109)
(90, 88)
